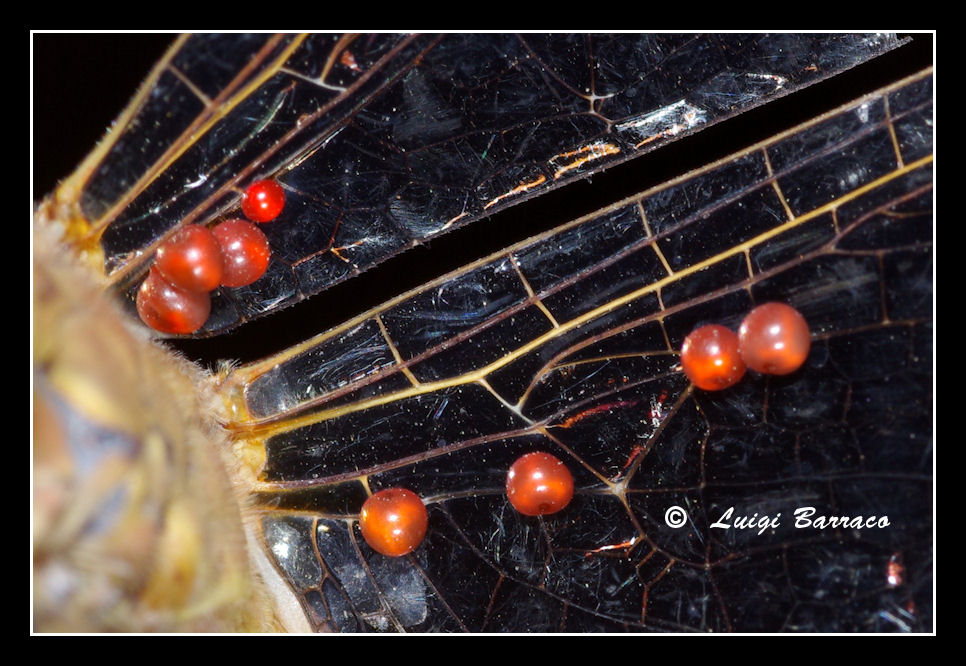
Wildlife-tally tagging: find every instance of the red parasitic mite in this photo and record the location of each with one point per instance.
(774, 339)
(539, 484)
(191, 259)
(244, 250)
(394, 521)
(263, 201)
(170, 309)
(710, 358)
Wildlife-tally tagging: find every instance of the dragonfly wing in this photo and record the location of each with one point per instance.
(568, 343)
(385, 141)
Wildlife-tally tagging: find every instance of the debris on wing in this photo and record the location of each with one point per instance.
(668, 121)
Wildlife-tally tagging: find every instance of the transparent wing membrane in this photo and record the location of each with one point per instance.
(385, 141)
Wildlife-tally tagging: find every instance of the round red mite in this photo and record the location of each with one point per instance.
(394, 521)
(170, 309)
(263, 201)
(774, 339)
(191, 259)
(245, 252)
(710, 358)
(539, 484)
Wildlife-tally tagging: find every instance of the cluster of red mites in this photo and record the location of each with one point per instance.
(176, 295)
(394, 521)
(773, 339)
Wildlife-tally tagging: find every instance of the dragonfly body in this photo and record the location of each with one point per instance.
(136, 527)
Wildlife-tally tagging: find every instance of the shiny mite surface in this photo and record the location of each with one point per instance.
(263, 201)
(538, 484)
(170, 309)
(710, 358)
(394, 521)
(245, 252)
(191, 259)
(774, 339)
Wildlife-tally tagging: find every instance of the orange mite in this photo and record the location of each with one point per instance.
(774, 339)
(710, 358)
(245, 252)
(394, 521)
(539, 484)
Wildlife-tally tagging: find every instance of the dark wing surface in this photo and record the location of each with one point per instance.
(385, 141)
(568, 343)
